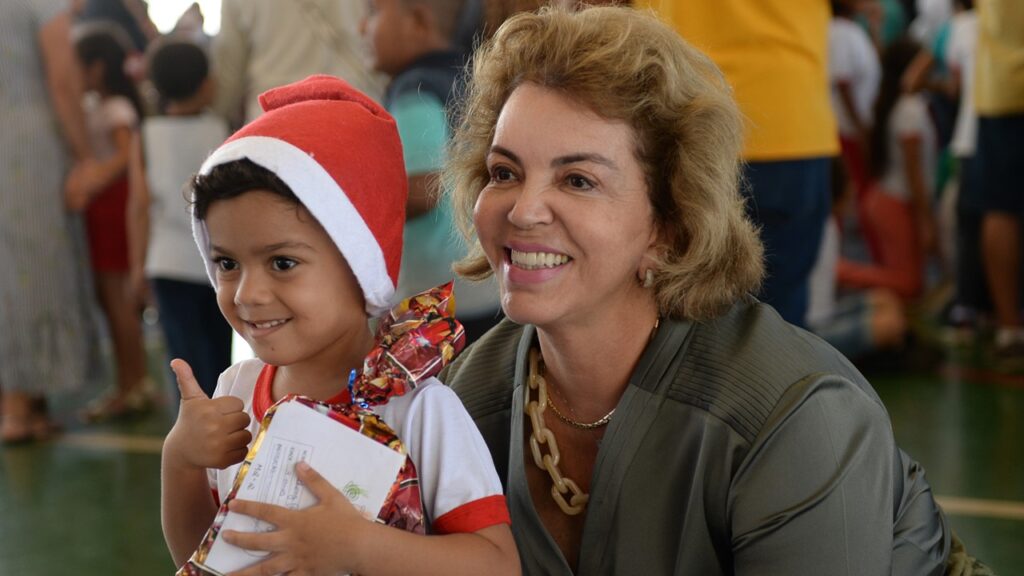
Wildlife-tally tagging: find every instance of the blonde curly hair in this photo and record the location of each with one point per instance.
(627, 65)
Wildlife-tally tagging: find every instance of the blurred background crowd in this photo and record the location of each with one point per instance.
(863, 170)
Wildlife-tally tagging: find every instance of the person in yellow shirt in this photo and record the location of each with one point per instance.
(999, 102)
(774, 53)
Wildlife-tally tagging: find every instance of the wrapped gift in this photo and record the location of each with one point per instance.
(413, 342)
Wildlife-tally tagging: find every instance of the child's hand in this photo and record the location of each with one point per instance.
(208, 433)
(81, 184)
(306, 541)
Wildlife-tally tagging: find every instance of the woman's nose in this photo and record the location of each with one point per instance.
(531, 206)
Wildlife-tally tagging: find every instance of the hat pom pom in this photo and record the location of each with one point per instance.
(317, 87)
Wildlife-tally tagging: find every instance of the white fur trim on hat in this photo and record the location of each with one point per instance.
(325, 200)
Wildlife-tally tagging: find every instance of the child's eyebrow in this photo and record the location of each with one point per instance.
(269, 248)
(287, 245)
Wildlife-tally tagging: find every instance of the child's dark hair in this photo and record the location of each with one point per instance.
(232, 179)
(101, 44)
(177, 68)
(895, 60)
(447, 14)
(842, 8)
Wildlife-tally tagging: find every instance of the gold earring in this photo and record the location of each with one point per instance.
(648, 278)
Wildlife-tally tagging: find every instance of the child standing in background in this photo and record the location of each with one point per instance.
(113, 109)
(169, 150)
(410, 41)
(898, 216)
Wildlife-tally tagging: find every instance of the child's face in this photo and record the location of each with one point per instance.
(281, 281)
(389, 30)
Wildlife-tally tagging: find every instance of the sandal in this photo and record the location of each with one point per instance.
(115, 405)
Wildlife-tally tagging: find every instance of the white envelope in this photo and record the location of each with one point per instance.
(361, 468)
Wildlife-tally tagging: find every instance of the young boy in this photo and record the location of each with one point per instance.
(160, 243)
(410, 41)
(299, 218)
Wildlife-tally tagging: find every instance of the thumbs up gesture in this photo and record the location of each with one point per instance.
(208, 433)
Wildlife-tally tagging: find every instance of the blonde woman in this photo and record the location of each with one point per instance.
(646, 415)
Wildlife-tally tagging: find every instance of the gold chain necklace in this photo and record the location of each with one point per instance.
(561, 486)
(540, 435)
(602, 421)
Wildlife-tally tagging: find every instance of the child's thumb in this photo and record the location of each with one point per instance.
(187, 384)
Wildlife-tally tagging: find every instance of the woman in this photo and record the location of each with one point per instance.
(46, 330)
(646, 415)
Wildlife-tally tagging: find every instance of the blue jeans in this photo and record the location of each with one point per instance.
(194, 328)
(789, 201)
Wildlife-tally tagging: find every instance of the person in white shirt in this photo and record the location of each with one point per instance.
(854, 73)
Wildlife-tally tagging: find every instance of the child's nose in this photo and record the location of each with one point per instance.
(252, 290)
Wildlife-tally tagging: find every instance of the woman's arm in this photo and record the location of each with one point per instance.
(64, 82)
(815, 494)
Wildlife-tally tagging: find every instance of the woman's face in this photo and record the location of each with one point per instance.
(565, 220)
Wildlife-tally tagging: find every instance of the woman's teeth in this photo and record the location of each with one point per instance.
(537, 260)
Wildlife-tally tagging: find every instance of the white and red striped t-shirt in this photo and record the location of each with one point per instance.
(459, 487)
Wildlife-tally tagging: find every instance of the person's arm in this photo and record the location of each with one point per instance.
(138, 216)
(845, 91)
(423, 194)
(420, 118)
(209, 433)
(332, 536)
(92, 176)
(920, 199)
(230, 65)
(815, 493)
(64, 82)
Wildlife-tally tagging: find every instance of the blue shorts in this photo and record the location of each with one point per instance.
(999, 157)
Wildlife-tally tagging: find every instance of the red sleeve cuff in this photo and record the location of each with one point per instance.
(474, 516)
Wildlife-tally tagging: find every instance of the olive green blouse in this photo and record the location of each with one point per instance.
(742, 445)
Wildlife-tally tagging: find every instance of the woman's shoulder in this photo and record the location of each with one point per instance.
(741, 365)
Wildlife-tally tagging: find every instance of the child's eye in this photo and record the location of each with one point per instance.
(225, 264)
(501, 174)
(579, 182)
(282, 264)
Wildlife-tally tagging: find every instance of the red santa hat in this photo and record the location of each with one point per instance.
(340, 154)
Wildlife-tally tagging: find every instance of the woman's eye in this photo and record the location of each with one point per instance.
(225, 264)
(282, 264)
(579, 182)
(501, 174)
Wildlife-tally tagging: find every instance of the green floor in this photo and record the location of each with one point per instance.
(88, 503)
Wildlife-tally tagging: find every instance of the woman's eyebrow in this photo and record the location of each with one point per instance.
(584, 157)
(505, 152)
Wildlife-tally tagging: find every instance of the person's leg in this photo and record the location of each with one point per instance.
(971, 286)
(194, 328)
(901, 260)
(1001, 248)
(118, 305)
(789, 201)
(999, 155)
